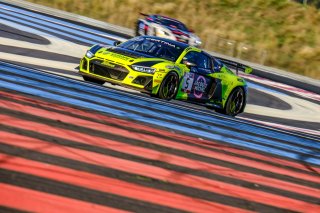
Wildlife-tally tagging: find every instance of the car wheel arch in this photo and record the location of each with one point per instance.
(171, 72)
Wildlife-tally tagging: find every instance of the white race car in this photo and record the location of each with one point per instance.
(164, 27)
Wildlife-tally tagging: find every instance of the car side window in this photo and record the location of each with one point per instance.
(203, 61)
(191, 57)
(200, 59)
(216, 65)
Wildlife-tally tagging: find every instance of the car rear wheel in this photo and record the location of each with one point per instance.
(169, 86)
(235, 102)
(138, 29)
(93, 80)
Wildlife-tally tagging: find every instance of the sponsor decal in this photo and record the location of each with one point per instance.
(158, 75)
(138, 39)
(194, 69)
(187, 82)
(108, 64)
(162, 42)
(200, 86)
(122, 57)
(187, 49)
(173, 67)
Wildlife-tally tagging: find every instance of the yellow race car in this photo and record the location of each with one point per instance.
(167, 69)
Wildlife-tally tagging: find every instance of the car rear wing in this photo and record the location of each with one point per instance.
(235, 65)
(143, 14)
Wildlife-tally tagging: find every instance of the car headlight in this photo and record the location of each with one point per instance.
(161, 32)
(198, 42)
(144, 69)
(89, 54)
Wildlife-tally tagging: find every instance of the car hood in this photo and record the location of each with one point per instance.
(124, 56)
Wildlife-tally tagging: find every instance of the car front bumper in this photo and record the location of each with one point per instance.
(115, 73)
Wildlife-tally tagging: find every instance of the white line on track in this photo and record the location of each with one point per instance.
(295, 90)
(57, 45)
(286, 127)
(38, 61)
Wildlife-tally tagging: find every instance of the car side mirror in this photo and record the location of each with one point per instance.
(188, 63)
(248, 70)
(116, 43)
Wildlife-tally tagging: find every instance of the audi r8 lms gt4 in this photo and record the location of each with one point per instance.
(169, 70)
(164, 27)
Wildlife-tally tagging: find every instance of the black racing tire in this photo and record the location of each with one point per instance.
(93, 80)
(235, 103)
(169, 86)
(137, 29)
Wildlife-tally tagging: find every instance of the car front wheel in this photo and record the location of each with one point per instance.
(169, 86)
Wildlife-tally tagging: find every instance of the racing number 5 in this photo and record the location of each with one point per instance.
(188, 82)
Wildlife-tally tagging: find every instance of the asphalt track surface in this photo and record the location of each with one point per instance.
(71, 146)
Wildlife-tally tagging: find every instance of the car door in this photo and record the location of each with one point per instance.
(198, 83)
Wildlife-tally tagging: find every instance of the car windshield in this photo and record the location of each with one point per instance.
(173, 23)
(154, 47)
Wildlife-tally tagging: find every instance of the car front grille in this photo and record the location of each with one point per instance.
(145, 81)
(114, 71)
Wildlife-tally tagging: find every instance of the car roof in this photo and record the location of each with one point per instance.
(165, 17)
(180, 44)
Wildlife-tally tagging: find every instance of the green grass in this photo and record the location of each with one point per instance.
(287, 31)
